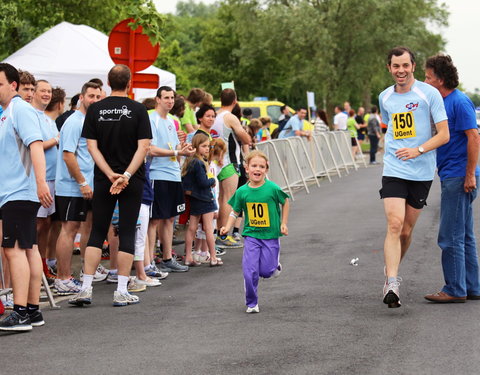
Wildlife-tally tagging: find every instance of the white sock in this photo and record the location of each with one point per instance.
(122, 284)
(113, 272)
(87, 281)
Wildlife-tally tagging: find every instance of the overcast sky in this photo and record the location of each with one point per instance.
(461, 36)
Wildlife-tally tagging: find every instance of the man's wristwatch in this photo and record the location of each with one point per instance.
(421, 150)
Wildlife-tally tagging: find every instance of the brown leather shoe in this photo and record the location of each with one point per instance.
(442, 297)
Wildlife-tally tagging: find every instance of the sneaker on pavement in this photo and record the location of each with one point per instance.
(67, 287)
(278, 270)
(153, 271)
(7, 301)
(237, 236)
(150, 282)
(112, 278)
(174, 266)
(134, 286)
(15, 322)
(391, 294)
(228, 242)
(254, 309)
(36, 318)
(219, 251)
(84, 297)
(124, 299)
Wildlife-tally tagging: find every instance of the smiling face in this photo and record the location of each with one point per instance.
(257, 170)
(42, 95)
(401, 68)
(166, 100)
(208, 119)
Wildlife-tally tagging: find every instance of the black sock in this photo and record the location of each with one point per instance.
(32, 308)
(215, 231)
(20, 310)
(235, 229)
(167, 260)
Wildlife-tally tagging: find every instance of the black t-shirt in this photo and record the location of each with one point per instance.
(117, 123)
(62, 118)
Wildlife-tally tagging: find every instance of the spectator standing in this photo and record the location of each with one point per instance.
(374, 133)
(340, 119)
(294, 126)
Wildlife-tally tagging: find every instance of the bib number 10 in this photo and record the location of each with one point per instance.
(403, 125)
(258, 214)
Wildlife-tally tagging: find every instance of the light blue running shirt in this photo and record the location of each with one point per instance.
(19, 127)
(71, 140)
(409, 117)
(164, 133)
(49, 131)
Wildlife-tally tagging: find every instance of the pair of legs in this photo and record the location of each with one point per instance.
(165, 234)
(228, 187)
(207, 224)
(373, 147)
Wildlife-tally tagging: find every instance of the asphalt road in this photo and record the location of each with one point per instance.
(321, 316)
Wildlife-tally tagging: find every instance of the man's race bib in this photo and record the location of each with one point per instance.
(403, 125)
(258, 214)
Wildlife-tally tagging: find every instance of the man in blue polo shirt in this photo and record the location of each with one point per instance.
(73, 187)
(409, 162)
(294, 126)
(21, 189)
(458, 171)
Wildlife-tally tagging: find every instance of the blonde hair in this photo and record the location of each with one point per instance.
(255, 154)
(197, 140)
(218, 147)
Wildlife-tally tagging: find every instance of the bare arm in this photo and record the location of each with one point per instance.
(39, 168)
(49, 143)
(439, 139)
(285, 212)
(231, 220)
(100, 161)
(232, 122)
(72, 165)
(473, 147)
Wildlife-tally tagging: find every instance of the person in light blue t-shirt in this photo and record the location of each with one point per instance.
(165, 174)
(409, 161)
(21, 190)
(294, 126)
(458, 171)
(73, 187)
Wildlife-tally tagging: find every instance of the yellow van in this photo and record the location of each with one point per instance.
(262, 108)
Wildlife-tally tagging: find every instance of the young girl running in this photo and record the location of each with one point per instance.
(260, 201)
(198, 186)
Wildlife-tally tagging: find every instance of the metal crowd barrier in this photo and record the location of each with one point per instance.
(295, 162)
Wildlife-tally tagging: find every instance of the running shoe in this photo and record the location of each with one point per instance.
(112, 278)
(135, 287)
(227, 242)
(76, 248)
(124, 299)
(84, 297)
(150, 282)
(391, 294)
(237, 236)
(16, 322)
(36, 318)
(174, 266)
(153, 271)
(106, 252)
(67, 287)
(253, 310)
(101, 274)
(7, 301)
(219, 251)
(52, 269)
(277, 271)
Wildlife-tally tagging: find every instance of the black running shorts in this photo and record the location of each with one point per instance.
(72, 208)
(414, 192)
(168, 199)
(19, 223)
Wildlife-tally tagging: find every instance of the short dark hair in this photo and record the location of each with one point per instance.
(300, 108)
(26, 78)
(228, 97)
(119, 77)
(10, 72)
(98, 81)
(44, 81)
(399, 51)
(442, 66)
(340, 108)
(163, 88)
(247, 112)
(89, 85)
(58, 96)
(374, 109)
(196, 96)
(149, 103)
(74, 100)
(282, 108)
(178, 106)
(204, 108)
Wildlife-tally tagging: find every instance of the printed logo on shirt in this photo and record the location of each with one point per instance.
(114, 114)
(181, 208)
(412, 106)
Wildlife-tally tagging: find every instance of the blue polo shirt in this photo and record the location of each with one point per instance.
(71, 140)
(165, 136)
(19, 127)
(291, 126)
(452, 156)
(49, 131)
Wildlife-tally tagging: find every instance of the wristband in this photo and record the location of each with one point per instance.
(57, 139)
(232, 214)
(84, 183)
(175, 153)
(127, 175)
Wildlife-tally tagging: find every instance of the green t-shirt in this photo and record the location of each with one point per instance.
(351, 127)
(261, 209)
(188, 118)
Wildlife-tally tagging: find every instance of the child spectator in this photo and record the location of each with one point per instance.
(259, 199)
(252, 129)
(264, 133)
(198, 185)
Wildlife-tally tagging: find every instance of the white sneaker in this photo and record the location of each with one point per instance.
(101, 274)
(254, 309)
(84, 297)
(134, 286)
(277, 271)
(67, 287)
(124, 299)
(391, 294)
(150, 282)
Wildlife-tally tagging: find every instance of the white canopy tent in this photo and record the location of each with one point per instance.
(69, 55)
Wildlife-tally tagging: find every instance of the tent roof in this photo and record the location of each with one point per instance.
(69, 55)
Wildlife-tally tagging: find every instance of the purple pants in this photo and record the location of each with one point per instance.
(260, 259)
